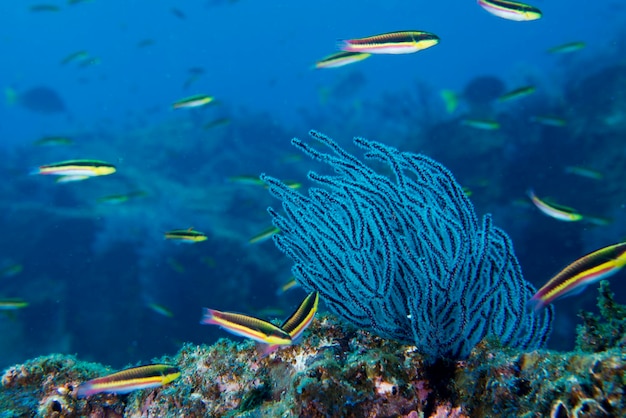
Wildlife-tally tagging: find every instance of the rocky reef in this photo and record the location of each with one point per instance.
(345, 372)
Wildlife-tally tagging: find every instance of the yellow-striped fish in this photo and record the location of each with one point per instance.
(575, 277)
(77, 168)
(264, 235)
(12, 304)
(53, 141)
(160, 309)
(567, 48)
(340, 59)
(402, 42)
(247, 326)
(193, 101)
(129, 380)
(484, 124)
(549, 120)
(75, 56)
(510, 10)
(11, 270)
(517, 93)
(561, 213)
(117, 199)
(246, 179)
(290, 284)
(299, 320)
(189, 236)
(584, 172)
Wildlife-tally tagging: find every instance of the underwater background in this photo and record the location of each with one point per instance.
(98, 79)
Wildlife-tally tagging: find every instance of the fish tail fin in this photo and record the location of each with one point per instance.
(266, 349)
(344, 45)
(208, 316)
(536, 303)
(84, 390)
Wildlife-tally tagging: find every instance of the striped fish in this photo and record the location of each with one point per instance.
(588, 269)
(403, 42)
(129, 380)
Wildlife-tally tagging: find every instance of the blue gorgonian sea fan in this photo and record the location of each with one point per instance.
(405, 257)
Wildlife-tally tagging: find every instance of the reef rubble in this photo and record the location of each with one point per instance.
(339, 371)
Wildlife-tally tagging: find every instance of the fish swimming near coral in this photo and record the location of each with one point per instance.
(299, 320)
(588, 269)
(129, 380)
(265, 332)
(561, 213)
(264, 235)
(247, 326)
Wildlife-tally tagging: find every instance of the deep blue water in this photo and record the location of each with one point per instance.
(89, 269)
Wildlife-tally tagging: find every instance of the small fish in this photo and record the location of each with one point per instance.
(510, 10)
(129, 380)
(215, 123)
(175, 265)
(247, 326)
(484, 124)
(189, 236)
(290, 284)
(583, 172)
(72, 2)
(561, 213)
(145, 43)
(53, 141)
(77, 168)
(403, 42)
(179, 14)
(70, 179)
(11, 270)
(75, 56)
(118, 199)
(567, 48)
(588, 269)
(90, 62)
(264, 235)
(517, 93)
(549, 121)
(195, 73)
(292, 184)
(597, 220)
(193, 101)
(299, 320)
(451, 100)
(160, 309)
(247, 180)
(340, 59)
(44, 8)
(12, 304)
